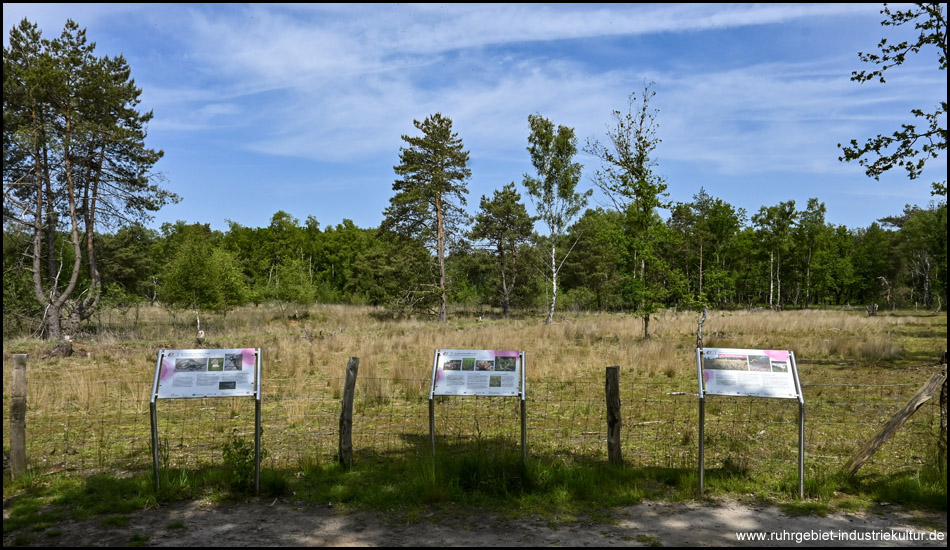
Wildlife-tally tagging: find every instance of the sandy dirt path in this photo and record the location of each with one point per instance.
(283, 523)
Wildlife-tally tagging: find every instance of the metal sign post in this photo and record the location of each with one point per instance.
(750, 373)
(203, 373)
(702, 423)
(801, 427)
(524, 417)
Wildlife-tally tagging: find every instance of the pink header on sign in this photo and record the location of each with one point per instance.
(777, 355)
(248, 359)
(506, 353)
(168, 369)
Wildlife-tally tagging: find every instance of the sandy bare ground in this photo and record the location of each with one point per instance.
(284, 523)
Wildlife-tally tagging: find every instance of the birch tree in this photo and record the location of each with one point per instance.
(628, 177)
(554, 190)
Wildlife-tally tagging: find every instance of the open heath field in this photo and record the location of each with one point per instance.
(89, 411)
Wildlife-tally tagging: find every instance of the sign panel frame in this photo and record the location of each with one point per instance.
(749, 373)
(477, 372)
(492, 373)
(198, 373)
(207, 373)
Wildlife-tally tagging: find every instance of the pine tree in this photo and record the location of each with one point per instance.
(505, 224)
(74, 159)
(430, 196)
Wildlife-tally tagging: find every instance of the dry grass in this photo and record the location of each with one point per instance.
(572, 349)
(83, 398)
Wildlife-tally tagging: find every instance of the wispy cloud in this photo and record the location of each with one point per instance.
(337, 85)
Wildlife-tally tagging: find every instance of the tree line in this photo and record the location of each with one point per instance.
(705, 252)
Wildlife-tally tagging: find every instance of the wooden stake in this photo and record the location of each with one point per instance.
(612, 386)
(18, 417)
(346, 415)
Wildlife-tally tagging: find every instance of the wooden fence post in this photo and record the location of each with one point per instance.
(18, 417)
(612, 387)
(346, 416)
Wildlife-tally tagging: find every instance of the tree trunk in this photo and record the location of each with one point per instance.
(778, 280)
(440, 250)
(700, 269)
(505, 295)
(53, 327)
(553, 284)
(928, 298)
(808, 281)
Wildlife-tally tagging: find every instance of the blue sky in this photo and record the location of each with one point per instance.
(301, 108)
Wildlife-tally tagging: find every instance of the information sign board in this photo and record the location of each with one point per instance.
(186, 373)
(477, 372)
(754, 373)
(757, 373)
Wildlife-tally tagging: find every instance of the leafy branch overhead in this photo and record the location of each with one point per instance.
(912, 145)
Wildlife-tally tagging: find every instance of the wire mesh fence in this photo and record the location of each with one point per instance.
(94, 426)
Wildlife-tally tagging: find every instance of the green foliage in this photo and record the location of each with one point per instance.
(703, 241)
(335, 251)
(775, 224)
(20, 307)
(922, 244)
(504, 224)
(238, 455)
(202, 277)
(473, 275)
(128, 264)
(593, 268)
(392, 272)
(292, 282)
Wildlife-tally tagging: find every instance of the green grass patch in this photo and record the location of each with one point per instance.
(920, 489)
(554, 486)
